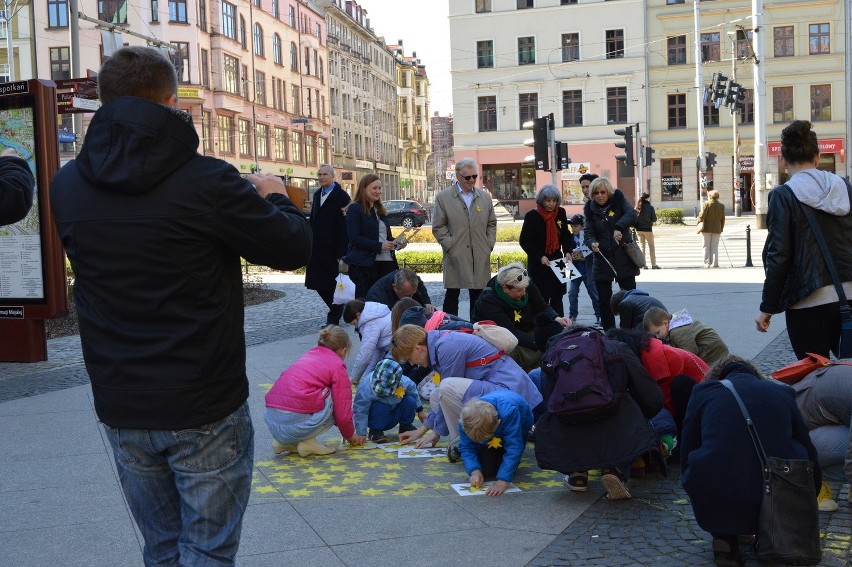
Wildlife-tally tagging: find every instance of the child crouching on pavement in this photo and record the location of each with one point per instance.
(492, 435)
(384, 399)
(682, 331)
(373, 322)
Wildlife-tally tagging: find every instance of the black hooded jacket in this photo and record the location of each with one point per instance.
(155, 232)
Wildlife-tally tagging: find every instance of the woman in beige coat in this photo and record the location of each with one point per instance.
(712, 219)
(464, 224)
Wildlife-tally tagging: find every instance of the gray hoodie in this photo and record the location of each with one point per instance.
(821, 190)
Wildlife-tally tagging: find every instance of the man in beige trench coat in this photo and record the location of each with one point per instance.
(464, 224)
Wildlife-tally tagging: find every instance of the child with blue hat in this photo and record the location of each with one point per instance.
(384, 399)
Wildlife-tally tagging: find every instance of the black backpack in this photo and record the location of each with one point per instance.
(580, 366)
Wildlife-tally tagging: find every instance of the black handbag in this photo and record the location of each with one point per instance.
(788, 525)
(844, 349)
(634, 252)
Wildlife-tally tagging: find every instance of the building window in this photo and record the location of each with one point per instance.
(527, 107)
(570, 47)
(296, 99)
(710, 47)
(572, 108)
(202, 14)
(296, 146)
(616, 105)
(526, 51)
(225, 125)
(57, 13)
(743, 44)
(567, 2)
(677, 111)
(487, 110)
(311, 150)
(782, 104)
(322, 151)
(231, 75)
(711, 114)
(294, 57)
(819, 39)
(276, 9)
(207, 131)
(112, 11)
(291, 16)
(180, 58)
(277, 56)
(262, 137)
(245, 138)
(279, 144)
(228, 21)
(177, 11)
(747, 113)
(260, 87)
(671, 176)
(205, 69)
(524, 4)
(820, 102)
(614, 44)
(669, 2)
(307, 60)
(483, 6)
(258, 40)
(244, 79)
(677, 50)
(784, 40)
(243, 38)
(484, 54)
(60, 63)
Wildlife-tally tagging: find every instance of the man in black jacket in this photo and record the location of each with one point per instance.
(16, 187)
(396, 285)
(155, 232)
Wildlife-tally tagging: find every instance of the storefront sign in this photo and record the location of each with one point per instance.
(746, 163)
(672, 186)
(827, 146)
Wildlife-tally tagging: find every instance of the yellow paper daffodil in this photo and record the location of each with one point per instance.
(436, 378)
(495, 443)
(399, 392)
(517, 316)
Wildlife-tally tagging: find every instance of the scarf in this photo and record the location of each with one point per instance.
(513, 303)
(551, 244)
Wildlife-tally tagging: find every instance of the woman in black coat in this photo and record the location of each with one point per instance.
(608, 220)
(546, 236)
(721, 470)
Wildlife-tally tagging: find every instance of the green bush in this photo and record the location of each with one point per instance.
(432, 262)
(670, 216)
(505, 233)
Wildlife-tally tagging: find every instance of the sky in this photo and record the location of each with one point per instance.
(426, 31)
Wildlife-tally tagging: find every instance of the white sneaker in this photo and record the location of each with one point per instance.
(825, 499)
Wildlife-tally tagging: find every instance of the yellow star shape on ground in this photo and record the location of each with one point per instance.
(316, 483)
(386, 482)
(394, 467)
(337, 468)
(369, 465)
(265, 489)
(336, 489)
(372, 492)
(524, 485)
(282, 478)
(495, 443)
(300, 492)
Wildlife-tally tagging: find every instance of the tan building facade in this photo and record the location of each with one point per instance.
(412, 87)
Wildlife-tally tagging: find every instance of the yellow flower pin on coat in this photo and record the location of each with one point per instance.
(517, 316)
(436, 378)
(478, 209)
(612, 213)
(399, 392)
(495, 443)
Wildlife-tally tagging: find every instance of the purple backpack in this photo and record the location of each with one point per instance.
(581, 366)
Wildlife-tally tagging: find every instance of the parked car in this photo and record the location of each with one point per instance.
(406, 213)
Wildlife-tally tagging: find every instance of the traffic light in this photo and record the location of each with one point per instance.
(562, 159)
(649, 156)
(626, 145)
(719, 88)
(711, 160)
(739, 102)
(538, 142)
(731, 94)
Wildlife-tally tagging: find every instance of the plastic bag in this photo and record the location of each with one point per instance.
(344, 290)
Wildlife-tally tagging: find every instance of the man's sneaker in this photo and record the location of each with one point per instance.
(825, 499)
(377, 436)
(577, 481)
(406, 428)
(616, 484)
(453, 454)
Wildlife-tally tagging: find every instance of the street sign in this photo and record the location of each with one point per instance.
(300, 121)
(67, 138)
(85, 103)
(84, 86)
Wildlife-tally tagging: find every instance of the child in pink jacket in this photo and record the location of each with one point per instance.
(312, 395)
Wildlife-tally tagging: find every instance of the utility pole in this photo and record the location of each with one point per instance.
(699, 97)
(551, 143)
(640, 163)
(760, 191)
(735, 117)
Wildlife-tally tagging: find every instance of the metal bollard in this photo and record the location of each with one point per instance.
(748, 263)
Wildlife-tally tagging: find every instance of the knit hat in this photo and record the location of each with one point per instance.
(386, 377)
(577, 219)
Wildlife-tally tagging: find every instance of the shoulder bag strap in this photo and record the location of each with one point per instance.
(758, 446)
(845, 311)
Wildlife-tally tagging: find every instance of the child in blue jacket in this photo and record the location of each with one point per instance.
(492, 436)
(386, 398)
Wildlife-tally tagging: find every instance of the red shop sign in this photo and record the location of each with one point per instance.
(827, 146)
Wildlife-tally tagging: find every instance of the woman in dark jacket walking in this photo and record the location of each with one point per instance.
(721, 470)
(371, 246)
(608, 220)
(545, 236)
(645, 220)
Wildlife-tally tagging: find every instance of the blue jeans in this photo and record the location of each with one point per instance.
(384, 416)
(831, 442)
(574, 291)
(289, 427)
(187, 489)
(535, 378)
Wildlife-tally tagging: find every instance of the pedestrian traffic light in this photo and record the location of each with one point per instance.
(538, 142)
(719, 88)
(626, 145)
(562, 159)
(649, 156)
(739, 104)
(711, 160)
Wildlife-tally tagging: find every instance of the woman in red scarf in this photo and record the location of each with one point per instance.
(546, 236)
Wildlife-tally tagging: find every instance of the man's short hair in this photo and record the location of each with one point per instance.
(406, 275)
(326, 166)
(137, 71)
(587, 177)
(654, 317)
(465, 162)
(616, 299)
(479, 420)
